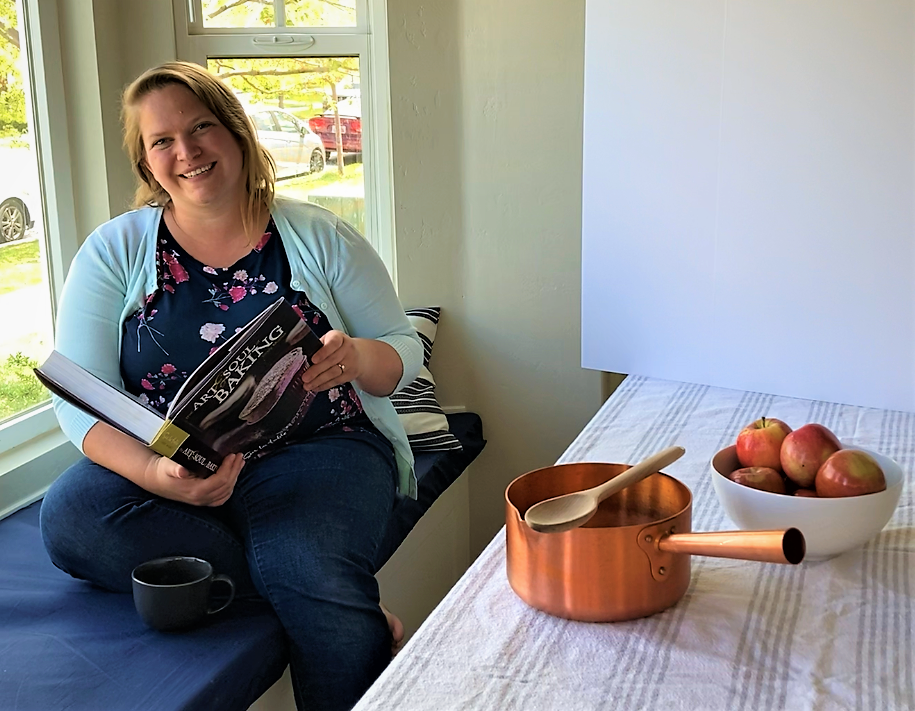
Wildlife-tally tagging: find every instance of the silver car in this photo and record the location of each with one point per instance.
(294, 146)
(17, 214)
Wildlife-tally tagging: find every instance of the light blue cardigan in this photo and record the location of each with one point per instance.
(115, 270)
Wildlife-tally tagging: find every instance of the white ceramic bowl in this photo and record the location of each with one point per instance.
(830, 526)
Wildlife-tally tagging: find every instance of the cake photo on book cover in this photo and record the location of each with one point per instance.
(246, 397)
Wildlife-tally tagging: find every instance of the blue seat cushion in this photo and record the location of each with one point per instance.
(435, 472)
(65, 644)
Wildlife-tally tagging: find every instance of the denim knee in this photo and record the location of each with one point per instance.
(98, 526)
(65, 511)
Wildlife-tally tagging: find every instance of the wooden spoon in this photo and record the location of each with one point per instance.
(563, 513)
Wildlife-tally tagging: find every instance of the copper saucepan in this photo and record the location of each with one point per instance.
(632, 559)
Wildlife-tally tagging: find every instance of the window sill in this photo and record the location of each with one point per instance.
(28, 470)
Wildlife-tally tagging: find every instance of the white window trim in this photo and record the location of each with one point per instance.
(369, 40)
(47, 113)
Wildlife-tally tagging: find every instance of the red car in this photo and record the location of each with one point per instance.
(350, 132)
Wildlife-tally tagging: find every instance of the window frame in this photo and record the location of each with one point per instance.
(368, 40)
(43, 79)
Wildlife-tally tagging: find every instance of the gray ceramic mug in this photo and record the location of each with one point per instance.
(174, 593)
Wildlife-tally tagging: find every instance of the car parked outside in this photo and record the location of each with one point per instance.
(19, 207)
(295, 148)
(350, 132)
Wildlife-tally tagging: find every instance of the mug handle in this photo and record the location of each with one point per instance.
(224, 579)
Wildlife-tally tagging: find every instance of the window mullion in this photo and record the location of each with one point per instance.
(279, 12)
(193, 20)
(43, 64)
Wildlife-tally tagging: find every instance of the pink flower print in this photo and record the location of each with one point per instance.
(143, 399)
(270, 287)
(176, 270)
(168, 369)
(209, 270)
(263, 242)
(333, 394)
(240, 275)
(146, 384)
(223, 307)
(211, 331)
(237, 293)
(169, 288)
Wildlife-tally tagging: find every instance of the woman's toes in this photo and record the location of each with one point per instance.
(396, 628)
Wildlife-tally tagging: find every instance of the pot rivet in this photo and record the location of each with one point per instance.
(648, 538)
(662, 570)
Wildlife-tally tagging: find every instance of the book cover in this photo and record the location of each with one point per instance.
(246, 397)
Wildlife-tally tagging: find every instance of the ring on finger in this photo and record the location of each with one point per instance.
(342, 368)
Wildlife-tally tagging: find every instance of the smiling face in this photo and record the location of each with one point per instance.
(193, 156)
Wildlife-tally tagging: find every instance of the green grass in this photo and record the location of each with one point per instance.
(301, 187)
(20, 266)
(19, 388)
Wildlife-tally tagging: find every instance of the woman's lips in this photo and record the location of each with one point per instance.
(202, 170)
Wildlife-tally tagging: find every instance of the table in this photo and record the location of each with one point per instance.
(834, 634)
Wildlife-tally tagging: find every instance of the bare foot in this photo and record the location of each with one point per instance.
(396, 628)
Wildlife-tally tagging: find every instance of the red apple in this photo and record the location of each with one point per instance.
(762, 478)
(809, 493)
(805, 450)
(850, 472)
(760, 442)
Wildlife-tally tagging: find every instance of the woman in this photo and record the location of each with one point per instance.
(148, 296)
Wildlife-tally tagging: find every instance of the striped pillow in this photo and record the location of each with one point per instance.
(420, 413)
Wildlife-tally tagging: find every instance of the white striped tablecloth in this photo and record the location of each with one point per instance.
(835, 634)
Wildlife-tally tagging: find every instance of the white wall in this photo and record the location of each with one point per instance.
(487, 120)
(487, 129)
(749, 181)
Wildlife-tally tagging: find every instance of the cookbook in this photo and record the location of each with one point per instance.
(246, 397)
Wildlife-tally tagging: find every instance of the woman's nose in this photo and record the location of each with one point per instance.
(187, 149)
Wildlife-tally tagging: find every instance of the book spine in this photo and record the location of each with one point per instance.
(173, 442)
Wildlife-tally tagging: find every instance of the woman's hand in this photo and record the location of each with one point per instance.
(374, 365)
(159, 475)
(168, 479)
(337, 362)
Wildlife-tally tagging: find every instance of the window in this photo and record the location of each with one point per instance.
(37, 231)
(312, 74)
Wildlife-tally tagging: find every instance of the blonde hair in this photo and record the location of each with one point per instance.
(258, 165)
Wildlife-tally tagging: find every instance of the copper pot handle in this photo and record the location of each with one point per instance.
(786, 547)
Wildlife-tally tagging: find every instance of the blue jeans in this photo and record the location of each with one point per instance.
(300, 531)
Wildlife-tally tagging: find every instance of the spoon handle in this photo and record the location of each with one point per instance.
(646, 467)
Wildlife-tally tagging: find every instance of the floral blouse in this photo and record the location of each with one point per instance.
(196, 307)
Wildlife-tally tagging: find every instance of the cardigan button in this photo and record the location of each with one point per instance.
(324, 305)
(295, 283)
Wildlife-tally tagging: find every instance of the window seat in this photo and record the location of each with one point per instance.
(67, 645)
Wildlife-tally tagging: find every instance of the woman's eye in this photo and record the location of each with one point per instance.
(159, 143)
(205, 124)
